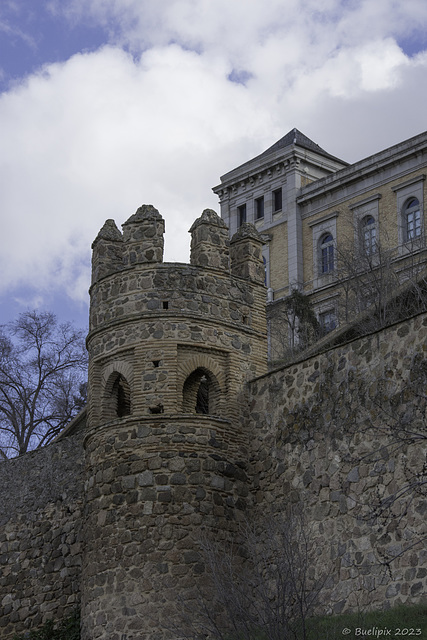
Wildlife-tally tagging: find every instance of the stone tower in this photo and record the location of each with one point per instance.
(170, 348)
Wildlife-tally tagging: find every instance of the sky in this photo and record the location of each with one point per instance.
(109, 104)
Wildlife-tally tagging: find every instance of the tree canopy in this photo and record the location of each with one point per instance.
(43, 369)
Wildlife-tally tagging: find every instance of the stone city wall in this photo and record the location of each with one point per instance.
(320, 431)
(345, 433)
(154, 487)
(40, 535)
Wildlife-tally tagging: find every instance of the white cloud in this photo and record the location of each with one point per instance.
(95, 137)
(98, 135)
(240, 27)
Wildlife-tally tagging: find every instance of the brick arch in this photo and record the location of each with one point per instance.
(119, 366)
(117, 381)
(190, 375)
(203, 361)
(201, 393)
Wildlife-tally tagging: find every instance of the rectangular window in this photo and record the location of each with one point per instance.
(413, 224)
(277, 200)
(369, 236)
(369, 240)
(327, 321)
(241, 212)
(327, 261)
(259, 208)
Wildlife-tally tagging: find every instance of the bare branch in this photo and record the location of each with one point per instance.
(42, 380)
(261, 584)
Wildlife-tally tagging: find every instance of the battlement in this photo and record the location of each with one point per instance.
(132, 286)
(142, 243)
(210, 246)
(208, 315)
(158, 330)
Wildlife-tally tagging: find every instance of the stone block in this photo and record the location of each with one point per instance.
(145, 479)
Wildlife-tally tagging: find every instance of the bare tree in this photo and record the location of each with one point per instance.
(382, 421)
(263, 585)
(396, 424)
(42, 380)
(367, 279)
(294, 325)
(373, 278)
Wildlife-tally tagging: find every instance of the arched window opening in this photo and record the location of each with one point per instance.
(120, 395)
(327, 254)
(412, 219)
(201, 393)
(202, 398)
(369, 235)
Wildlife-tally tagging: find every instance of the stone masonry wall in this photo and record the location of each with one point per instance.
(318, 432)
(155, 486)
(344, 432)
(40, 535)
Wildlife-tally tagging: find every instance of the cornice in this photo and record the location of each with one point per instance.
(279, 163)
(373, 164)
(408, 183)
(330, 216)
(361, 203)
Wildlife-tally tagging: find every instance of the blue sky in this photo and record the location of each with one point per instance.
(109, 104)
(33, 35)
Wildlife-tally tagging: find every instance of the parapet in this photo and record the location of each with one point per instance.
(143, 236)
(209, 241)
(246, 254)
(141, 242)
(107, 256)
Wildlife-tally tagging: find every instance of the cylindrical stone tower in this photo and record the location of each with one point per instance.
(170, 348)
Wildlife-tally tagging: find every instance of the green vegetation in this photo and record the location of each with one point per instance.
(67, 629)
(403, 621)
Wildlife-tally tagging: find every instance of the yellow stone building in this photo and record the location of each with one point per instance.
(326, 224)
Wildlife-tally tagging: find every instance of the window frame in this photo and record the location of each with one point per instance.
(368, 235)
(405, 193)
(275, 196)
(412, 207)
(259, 208)
(326, 254)
(117, 397)
(242, 213)
(363, 210)
(320, 228)
(326, 327)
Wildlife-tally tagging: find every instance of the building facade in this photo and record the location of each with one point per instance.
(325, 222)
